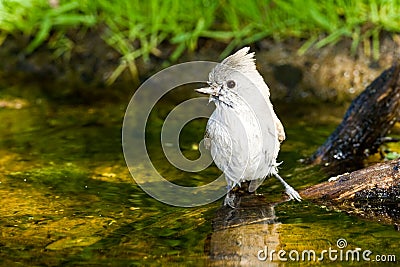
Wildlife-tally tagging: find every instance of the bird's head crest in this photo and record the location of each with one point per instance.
(241, 61)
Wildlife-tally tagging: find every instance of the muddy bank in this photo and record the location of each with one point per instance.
(331, 73)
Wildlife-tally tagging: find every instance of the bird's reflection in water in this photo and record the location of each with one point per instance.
(240, 233)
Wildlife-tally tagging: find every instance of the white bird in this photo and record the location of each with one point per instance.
(243, 133)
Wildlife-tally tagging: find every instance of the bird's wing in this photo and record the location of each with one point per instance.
(280, 130)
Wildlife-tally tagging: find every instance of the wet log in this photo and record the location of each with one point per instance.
(372, 192)
(364, 127)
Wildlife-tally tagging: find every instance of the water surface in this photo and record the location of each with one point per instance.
(67, 196)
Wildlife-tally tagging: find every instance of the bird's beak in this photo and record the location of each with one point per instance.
(208, 91)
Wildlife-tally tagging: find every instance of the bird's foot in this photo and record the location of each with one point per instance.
(289, 190)
(230, 200)
(293, 194)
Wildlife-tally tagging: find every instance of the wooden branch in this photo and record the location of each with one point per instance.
(346, 186)
(372, 192)
(369, 118)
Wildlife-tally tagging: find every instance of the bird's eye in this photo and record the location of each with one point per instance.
(231, 84)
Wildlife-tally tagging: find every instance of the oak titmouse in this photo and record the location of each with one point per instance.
(243, 133)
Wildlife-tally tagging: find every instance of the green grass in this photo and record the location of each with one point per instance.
(137, 28)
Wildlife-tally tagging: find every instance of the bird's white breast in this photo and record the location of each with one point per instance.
(244, 144)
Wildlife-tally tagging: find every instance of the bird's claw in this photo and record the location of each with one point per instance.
(293, 194)
(230, 200)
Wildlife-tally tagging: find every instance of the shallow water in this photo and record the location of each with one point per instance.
(67, 196)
